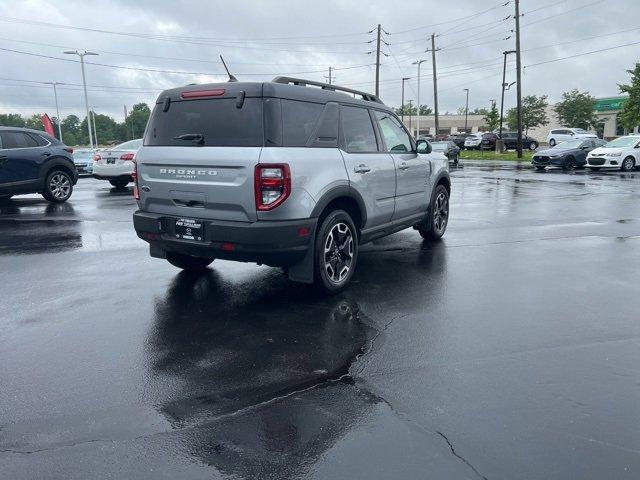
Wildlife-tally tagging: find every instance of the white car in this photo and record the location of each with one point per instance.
(564, 134)
(472, 142)
(622, 153)
(116, 164)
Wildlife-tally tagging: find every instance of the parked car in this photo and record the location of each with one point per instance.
(488, 141)
(622, 153)
(473, 141)
(32, 161)
(282, 174)
(511, 141)
(116, 164)
(566, 155)
(458, 139)
(449, 148)
(559, 135)
(83, 159)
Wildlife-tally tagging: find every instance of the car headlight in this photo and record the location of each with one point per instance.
(555, 156)
(614, 154)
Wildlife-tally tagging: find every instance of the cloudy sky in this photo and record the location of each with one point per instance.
(145, 46)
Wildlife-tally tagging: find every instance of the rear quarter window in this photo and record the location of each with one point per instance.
(299, 120)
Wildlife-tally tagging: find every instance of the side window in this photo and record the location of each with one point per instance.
(298, 121)
(395, 137)
(9, 139)
(357, 130)
(40, 140)
(22, 140)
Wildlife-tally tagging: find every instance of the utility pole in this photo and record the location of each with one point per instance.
(435, 82)
(466, 110)
(519, 78)
(84, 84)
(378, 62)
(95, 132)
(402, 107)
(125, 122)
(410, 113)
(55, 95)
(418, 62)
(504, 85)
(330, 75)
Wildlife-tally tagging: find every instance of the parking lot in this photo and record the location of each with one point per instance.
(508, 350)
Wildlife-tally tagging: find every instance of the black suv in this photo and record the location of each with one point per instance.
(511, 141)
(34, 162)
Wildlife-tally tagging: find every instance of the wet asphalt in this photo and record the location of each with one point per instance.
(508, 350)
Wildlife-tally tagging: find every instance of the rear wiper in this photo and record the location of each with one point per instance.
(194, 137)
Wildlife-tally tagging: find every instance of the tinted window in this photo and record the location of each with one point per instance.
(17, 140)
(357, 130)
(395, 137)
(218, 120)
(130, 145)
(40, 140)
(298, 122)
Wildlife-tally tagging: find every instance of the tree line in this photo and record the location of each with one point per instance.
(75, 131)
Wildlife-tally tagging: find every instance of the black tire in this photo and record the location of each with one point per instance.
(119, 184)
(628, 164)
(336, 248)
(552, 143)
(569, 164)
(533, 146)
(540, 169)
(58, 186)
(187, 262)
(438, 215)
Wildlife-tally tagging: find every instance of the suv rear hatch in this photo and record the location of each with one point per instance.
(200, 150)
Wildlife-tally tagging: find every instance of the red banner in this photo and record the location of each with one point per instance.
(47, 124)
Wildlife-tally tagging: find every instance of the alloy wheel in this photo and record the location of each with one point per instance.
(60, 186)
(441, 212)
(338, 252)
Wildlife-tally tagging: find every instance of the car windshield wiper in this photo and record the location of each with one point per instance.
(194, 137)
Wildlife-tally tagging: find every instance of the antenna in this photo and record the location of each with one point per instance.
(231, 77)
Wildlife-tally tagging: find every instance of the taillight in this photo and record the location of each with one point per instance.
(134, 175)
(97, 158)
(272, 185)
(216, 92)
(128, 156)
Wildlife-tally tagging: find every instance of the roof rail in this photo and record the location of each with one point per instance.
(327, 86)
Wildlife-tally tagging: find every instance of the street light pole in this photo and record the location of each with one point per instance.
(410, 113)
(504, 84)
(466, 110)
(55, 95)
(418, 62)
(95, 131)
(84, 84)
(402, 101)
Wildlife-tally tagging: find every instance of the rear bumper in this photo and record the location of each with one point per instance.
(105, 171)
(274, 243)
(128, 178)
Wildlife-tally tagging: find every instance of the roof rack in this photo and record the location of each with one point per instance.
(327, 86)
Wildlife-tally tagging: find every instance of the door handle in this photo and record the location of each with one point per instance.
(403, 166)
(46, 154)
(362, 168)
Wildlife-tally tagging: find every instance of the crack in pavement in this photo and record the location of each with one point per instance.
(453, 451)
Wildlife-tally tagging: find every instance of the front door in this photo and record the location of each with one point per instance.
(371, 171)
(18, 159)
(412, 170)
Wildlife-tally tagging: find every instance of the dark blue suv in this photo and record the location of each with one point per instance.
(34, 162)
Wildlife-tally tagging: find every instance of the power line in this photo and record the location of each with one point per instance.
(550, 17)
(582, 54)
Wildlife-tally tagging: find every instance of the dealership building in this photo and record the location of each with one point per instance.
(606, 109)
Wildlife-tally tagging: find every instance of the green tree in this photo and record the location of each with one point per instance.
(137, 119)
(11, 120)
(492, 117)
(478, 111)
(34, 122)
(425, 110)
(577, 110)
(534, 113)
(629, 116)
(70, 124)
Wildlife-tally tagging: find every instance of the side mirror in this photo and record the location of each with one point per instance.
(422, 146)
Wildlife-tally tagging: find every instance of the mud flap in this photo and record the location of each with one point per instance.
(303, 270)
(156, 252)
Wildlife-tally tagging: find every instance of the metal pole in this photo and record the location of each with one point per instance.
(418, 62)
(378, 62)
(55, 94)
(466, 110)
(435, 82)
(410, 114)
(95, 131)
(519, 78)
(86, 99)
(504, 84)
(402, 100)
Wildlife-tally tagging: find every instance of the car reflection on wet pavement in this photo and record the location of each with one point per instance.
(508, 350)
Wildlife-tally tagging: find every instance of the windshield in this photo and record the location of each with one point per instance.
(568, 145)
(130, 145)
(210, 122)
(580, 130)
(440, 146)
(622, 142)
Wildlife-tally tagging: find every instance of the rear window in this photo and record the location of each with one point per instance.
(217, 120)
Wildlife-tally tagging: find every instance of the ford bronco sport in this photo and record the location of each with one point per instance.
(289, 173)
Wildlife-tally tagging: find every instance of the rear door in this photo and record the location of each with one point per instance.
(20, 158)
(371, 172)
(199, 156)
(412, 170)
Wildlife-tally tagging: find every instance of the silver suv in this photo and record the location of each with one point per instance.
(289, 173)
